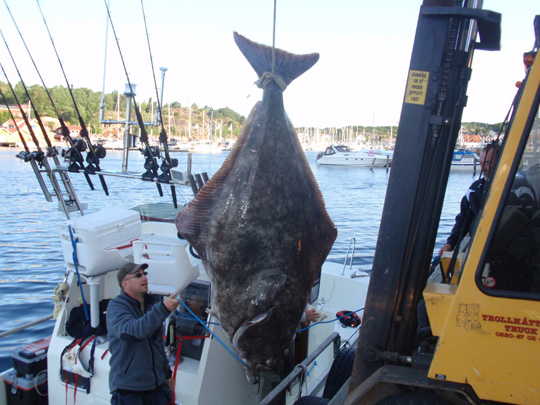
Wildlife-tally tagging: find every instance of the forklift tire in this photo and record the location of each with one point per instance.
(312, 400)
(414, 398)
(339, 373)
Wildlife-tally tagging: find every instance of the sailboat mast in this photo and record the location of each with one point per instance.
(102, 106)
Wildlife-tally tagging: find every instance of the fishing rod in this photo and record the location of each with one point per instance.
(28, 156)
(51, 151)
(94, 153)
(151, 154)
(75, 156)
(168, 163)
(39, 156)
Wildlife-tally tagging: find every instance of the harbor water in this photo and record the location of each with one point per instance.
(31, 260)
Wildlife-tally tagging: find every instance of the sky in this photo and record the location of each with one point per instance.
(364, 46)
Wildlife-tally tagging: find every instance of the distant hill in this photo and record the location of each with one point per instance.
(176, 118)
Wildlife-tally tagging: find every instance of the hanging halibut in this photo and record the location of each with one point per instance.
(260, 224)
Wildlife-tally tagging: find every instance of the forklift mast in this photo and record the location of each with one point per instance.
(446, 38)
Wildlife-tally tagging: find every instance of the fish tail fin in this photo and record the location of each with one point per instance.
(288, 65)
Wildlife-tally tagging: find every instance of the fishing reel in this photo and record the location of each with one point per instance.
(348, 318)
(166, 167)
(151, 154)
(28, 156)
(150, 164)
(92, 159)
(74, 154)
(98, 152)
(79, 145)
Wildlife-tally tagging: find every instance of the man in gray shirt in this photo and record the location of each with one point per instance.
(139, 370)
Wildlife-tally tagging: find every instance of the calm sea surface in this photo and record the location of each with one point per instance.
(31, 262)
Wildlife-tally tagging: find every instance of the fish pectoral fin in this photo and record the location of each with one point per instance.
(267, 290)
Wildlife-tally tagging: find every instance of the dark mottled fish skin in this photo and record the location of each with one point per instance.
(260, 224)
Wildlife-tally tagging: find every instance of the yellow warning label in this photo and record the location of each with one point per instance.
(417, 87)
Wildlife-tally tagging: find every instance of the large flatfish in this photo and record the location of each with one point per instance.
(260, 224)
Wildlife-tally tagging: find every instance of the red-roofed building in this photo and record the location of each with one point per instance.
(9, 135)
(74, 132)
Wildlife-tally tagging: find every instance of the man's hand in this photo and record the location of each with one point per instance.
(445, 248)
(171, 303)
(311, 315)
(170, 383)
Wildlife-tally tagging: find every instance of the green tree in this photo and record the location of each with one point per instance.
(4, 116)
(41, 101)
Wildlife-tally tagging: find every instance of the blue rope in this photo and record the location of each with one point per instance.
(76, 263)
(184, 315)
(308, 372)
(196, 318)
(330, 321)
(212, 333)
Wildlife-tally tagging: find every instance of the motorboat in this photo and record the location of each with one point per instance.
(344, 155)
(465, 161)
(205, 147)
(95, 245)
(72, 366)
(227, 145)
(67, 368)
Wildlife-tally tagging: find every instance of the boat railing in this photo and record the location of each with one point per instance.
(26, 326)
(353, 244)
(299, 369)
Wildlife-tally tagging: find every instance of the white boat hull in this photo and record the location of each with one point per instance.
(358, 161)
(465, 161)
(217, 374)
(342, 155)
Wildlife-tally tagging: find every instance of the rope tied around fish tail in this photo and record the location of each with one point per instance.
(268, 78)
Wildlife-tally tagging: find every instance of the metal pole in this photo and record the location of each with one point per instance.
(102, 107)
(299, 369)
(127, 140)
(159, 114)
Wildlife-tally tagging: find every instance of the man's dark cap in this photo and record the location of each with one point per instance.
(130, 268)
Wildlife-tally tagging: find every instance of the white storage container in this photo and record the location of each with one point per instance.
(170, 269)
(104, 240)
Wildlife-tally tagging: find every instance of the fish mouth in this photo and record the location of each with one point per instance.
(253, 376)
(252, 370)
(247, 324)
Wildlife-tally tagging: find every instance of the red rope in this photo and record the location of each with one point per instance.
(75, 375)
(65, 371)
(65, 378)
(178, 351)
(75, 388)
(130, 244)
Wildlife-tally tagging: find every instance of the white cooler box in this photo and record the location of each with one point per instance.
(170, 269)
(104, 240)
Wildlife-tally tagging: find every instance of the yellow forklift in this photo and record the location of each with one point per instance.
(482, 342)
